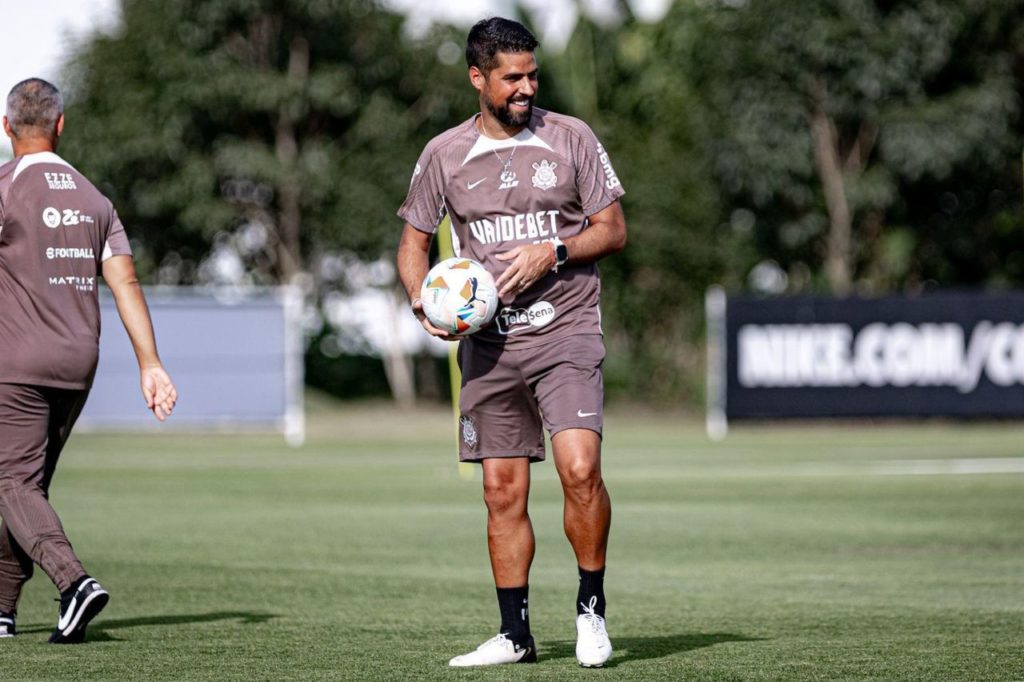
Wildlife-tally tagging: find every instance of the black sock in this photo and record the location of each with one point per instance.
(515, 616)
(591, 594)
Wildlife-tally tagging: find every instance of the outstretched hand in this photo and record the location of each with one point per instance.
(529, 263)
(159, 391)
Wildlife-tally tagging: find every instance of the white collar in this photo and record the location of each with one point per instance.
(38, 157)
(485, 145)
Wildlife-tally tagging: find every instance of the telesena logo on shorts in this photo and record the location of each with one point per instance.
(512, 320)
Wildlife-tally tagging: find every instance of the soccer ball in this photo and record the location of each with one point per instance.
(459, 296)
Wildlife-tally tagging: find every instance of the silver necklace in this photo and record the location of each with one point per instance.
(506, 166)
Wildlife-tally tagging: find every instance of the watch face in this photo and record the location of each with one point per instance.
(561, 253)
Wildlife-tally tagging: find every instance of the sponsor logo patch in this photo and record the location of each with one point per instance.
(69, 217)
(512, 320)
(59, 252)
(51, 217)
(532, 226)
(60, 181)
(79, 283)
(508, 179)
(611, 179)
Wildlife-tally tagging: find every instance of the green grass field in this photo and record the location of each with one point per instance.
(798, 552)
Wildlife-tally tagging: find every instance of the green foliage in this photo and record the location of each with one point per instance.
(920, 95)
(642, 108)
(303, 118)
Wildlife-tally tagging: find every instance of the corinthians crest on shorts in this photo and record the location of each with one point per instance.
(468, 431)
(545, 177)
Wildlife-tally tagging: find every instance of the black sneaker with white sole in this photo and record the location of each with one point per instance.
(6, 625)
(78, 606)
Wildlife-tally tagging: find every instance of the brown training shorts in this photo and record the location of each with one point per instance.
(509, 396)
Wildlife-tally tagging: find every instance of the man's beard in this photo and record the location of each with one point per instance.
(507, 118)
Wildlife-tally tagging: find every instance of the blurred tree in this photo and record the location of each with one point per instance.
(643, 109)
(824, 115)
(281, 129)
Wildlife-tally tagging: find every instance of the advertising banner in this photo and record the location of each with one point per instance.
(948, 354)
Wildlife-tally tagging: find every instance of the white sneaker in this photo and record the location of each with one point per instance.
(496, 651)
(593, 648)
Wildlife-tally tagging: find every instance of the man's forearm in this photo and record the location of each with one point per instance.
(131, 306)
(413, 261)
(606, 235)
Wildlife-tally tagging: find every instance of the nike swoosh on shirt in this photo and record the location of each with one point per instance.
(471, 185)
(581, 413)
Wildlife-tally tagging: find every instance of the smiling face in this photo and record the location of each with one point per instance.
(507, 91)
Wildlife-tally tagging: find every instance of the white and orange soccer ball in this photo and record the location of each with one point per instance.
(459, 296)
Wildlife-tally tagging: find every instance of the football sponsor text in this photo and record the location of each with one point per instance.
(79, 283)
(900, 354)
(60, 181)
(69, 217)
(59, 252)
(518, 227)
(508, 179)
(611, 179)
(512, 320)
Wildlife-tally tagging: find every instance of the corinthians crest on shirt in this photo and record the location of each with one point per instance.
(544, 177)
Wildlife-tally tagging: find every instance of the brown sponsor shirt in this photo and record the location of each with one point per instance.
(541, 184)
(56, 228)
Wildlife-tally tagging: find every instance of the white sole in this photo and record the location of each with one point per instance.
(86, 610)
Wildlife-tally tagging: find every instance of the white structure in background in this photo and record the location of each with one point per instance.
(235, 353)
(368, 315)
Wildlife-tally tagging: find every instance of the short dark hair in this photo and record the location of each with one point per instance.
(490, 36)
(34, 103)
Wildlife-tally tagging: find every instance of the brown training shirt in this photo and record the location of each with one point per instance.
(540, 184)
(56, 228)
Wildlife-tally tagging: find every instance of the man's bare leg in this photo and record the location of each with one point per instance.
(588, 509)
(587, 517)
(510, 543)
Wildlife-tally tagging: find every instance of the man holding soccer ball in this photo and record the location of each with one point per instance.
(531, 195)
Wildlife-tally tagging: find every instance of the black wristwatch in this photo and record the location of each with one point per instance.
(561, 253)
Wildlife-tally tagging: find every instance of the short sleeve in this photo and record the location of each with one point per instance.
(596, 179)
(116, 243)
(423, 207)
